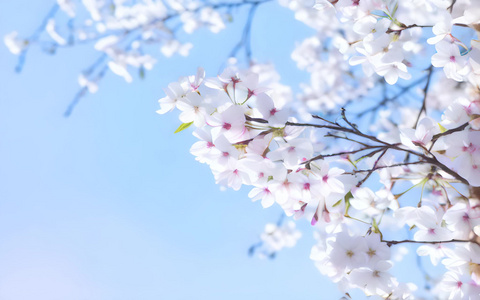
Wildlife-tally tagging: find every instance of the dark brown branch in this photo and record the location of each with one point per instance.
(258, 120)
(340, 154)
(450, 131)
(450, 8)
(390, 243)
(432, 160)
(403, 27)
(373, 169)
(385, 100)
(353, 126)
(390, 166)
(339, 128)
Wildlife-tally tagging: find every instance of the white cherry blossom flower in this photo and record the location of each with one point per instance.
(83, 81)
(448, 56)
(275, 238)
(420, 136)
(174, 91)
(348, 252)
(194, 109)
(375, 280)
(391, 72)
(51, 30)
(67, 6)
(229, 123)
(14, 44)
(204, 150)
(441, 30)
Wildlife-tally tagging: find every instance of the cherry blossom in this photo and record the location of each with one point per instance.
(276, 237)
(378, 147)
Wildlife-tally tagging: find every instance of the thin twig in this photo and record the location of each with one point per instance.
(425, 93)
(373, 169)
(390, 243)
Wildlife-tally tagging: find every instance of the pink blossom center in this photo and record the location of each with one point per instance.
(225, 154)
(431, 231)
(325, 178)
(306, 186)
(227, 126)
(355, 2)
(273, 111)
(210, 145)
(470, 148)
(452, 58)
(468, 110)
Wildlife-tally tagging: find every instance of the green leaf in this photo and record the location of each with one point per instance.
(442, 129)
(183, 127)
(395, 9)
(354, 164)
(388, 15)
(348, 196)
(371, 154)
(337, 203)
(379, 13)
(375, 226)
(376, 229)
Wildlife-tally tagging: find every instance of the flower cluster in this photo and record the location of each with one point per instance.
(359, 262)
(386, 38)
(244, 140)
(247, 138)
(275, 237)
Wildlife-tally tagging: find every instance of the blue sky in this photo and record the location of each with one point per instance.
(108, 203)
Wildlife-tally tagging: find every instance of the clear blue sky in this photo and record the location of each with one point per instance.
(108, 203)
